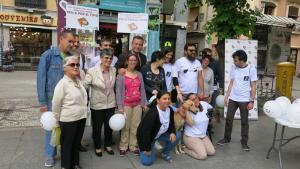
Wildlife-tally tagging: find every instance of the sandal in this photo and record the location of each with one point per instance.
(166, 157)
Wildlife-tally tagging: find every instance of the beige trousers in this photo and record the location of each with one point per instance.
(198, 148)
(128, 134)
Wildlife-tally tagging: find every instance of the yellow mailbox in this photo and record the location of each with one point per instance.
(284, 78)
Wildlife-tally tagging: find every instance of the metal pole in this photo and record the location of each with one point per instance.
(2, 38)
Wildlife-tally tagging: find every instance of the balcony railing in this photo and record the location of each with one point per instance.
(39, 4)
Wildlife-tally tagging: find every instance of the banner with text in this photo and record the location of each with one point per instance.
(80, 17)
(132, 23)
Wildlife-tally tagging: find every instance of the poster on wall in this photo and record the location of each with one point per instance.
(80, 17)
(250, 47)
(132, 23)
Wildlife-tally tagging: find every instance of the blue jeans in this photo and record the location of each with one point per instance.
(148, 160)
(50, 151)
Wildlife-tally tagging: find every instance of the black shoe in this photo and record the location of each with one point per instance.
(223, 142)
(76, 167)
(110, 152)
(245, 147)
(98, 154)
(82, 149)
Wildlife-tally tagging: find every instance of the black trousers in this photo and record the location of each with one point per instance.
(98, 118)
(71, 134)
(232, 107)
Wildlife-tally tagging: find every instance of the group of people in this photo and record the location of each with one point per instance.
(127, 84)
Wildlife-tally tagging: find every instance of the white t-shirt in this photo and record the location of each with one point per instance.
(95, 61)
(242, 78)
(169, 75)
(201, 120)
(187, 74)
(164, 118)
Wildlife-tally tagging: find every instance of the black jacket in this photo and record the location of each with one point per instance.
(149, 127)
(122, 59)
(147, 77)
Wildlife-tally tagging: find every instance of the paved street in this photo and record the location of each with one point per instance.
(21, 138)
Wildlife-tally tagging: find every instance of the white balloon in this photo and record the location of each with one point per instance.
(293, 113)
(283, 101)
(48, 120)
(297, 101)
(272, 109)
(220, 101)
(117, 122)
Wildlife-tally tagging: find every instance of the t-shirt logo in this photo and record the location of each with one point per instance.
(168, 74)
(185, 71)
(246, 78)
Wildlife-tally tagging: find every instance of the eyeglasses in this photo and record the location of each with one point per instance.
(74, 65)
(107, 58)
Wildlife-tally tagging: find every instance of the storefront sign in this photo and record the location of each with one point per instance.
(132, 23)
(22, 18)
(80, 17)
(137, 6)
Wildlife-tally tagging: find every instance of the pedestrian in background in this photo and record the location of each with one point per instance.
(49, 73)
(69, 106)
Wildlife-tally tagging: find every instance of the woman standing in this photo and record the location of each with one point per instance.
(208, 77)
(158, 124)
(168, 67)
(69, 104)
(131, 97)
(198, 145)
(154, 75)
(103, 101)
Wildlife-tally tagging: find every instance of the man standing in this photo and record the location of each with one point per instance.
(240, 94)
(137, 47)
(50, 71)
(187, 75)
(104, 44)
(82, 59)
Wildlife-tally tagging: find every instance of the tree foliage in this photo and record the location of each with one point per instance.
(231, 19)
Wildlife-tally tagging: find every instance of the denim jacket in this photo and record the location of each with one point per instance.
(50, 72)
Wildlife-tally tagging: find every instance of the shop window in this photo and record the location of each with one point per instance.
(40, 4)
(29, 44)
(269, 8)
(293, 12)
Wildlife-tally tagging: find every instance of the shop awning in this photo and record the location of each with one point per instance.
(29, 26)
(276, 21)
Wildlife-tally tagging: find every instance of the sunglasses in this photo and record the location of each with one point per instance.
(191, 50)
(74, 65)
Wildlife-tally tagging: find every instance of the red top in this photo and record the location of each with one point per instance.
(132, 91)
